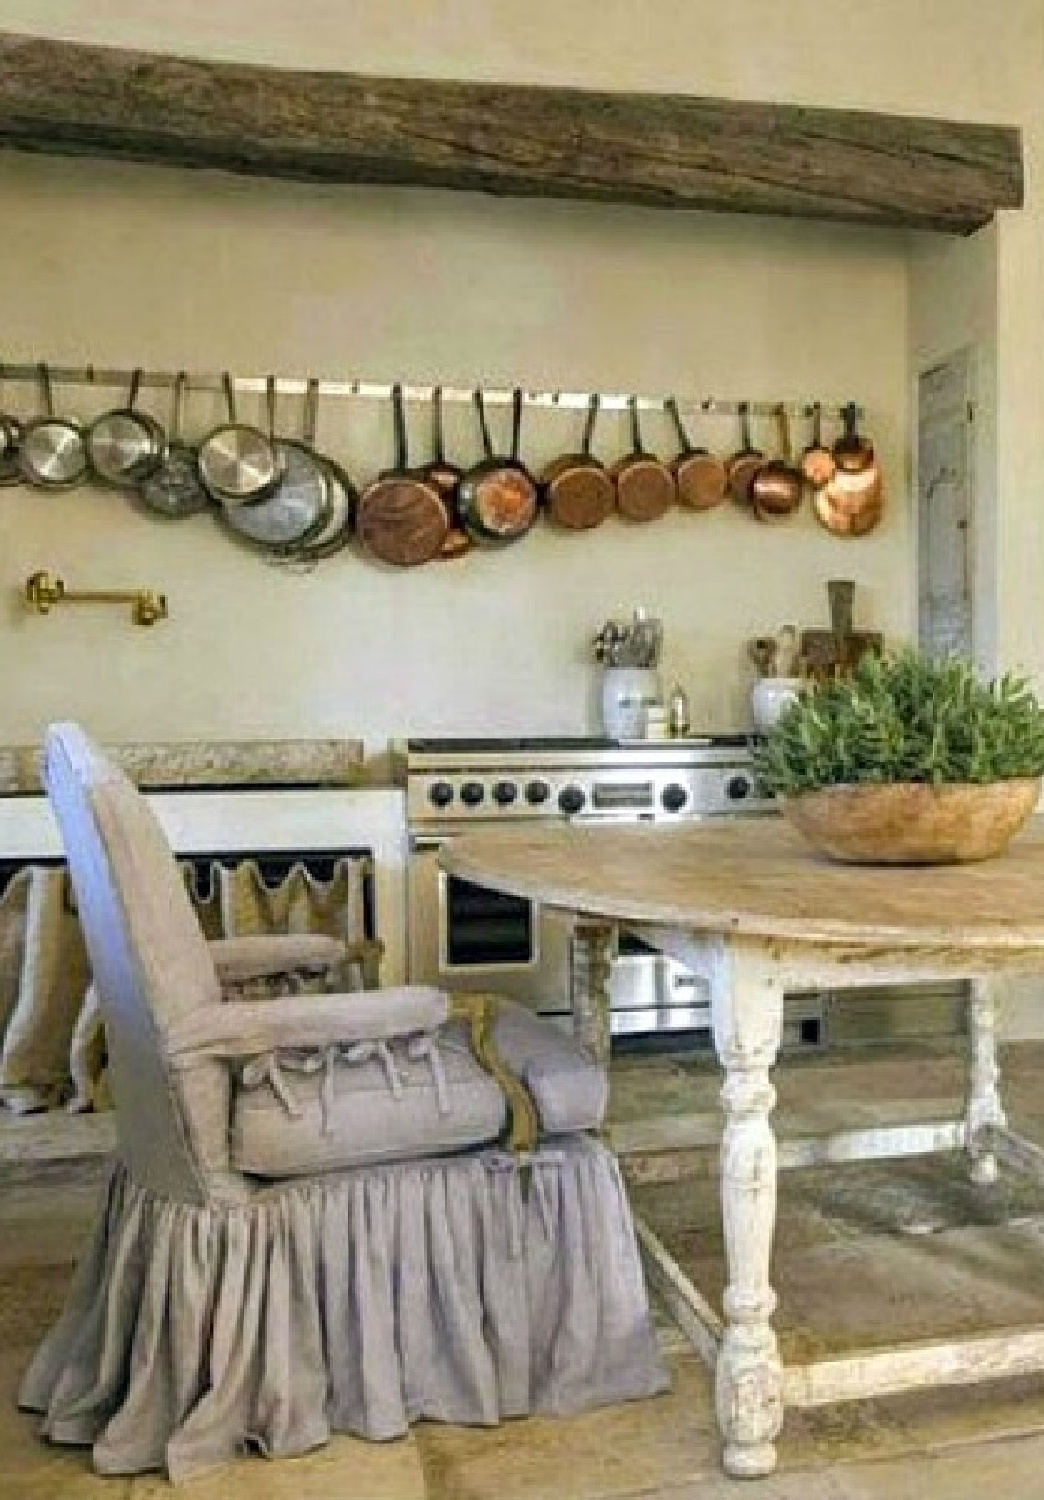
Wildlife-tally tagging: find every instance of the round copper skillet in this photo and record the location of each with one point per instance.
(577, 488)
(645, 488)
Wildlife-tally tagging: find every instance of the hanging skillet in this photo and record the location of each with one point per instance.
(577, 488)
(402, 518)
(445, 477)
(175, 489)
(338, 529)
(698, 473)
(238, 464)
(299, 506)
(53, 451)
(497, 498)
(10, 442)
(125, 445)
(645, 488)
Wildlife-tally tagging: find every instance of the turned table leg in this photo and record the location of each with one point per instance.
(593, 951)
(983, 1107)
(747, 1008)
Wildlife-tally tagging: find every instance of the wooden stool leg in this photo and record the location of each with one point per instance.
(983, 1106)
(747, 1008)
(593, 951)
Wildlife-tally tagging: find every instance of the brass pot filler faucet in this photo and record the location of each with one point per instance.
(43, 591)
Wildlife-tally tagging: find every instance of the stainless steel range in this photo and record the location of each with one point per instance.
(464, 936)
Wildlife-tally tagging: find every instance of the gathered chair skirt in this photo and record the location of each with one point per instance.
(460, 1289)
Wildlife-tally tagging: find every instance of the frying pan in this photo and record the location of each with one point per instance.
(402, 518)
(778, 485)
(698, 473)
(745, 462)
(238, 464)
(175, 489)
(817, 462)
(53, 451)
(125, 445)
(576, 488)
(299, 506)
(10, 442)
(445, 477)
(497, 498)
(645, 487)
(339, 528)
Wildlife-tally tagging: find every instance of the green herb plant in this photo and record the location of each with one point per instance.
(905, 717)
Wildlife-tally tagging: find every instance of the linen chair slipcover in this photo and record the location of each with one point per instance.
(311, 1225)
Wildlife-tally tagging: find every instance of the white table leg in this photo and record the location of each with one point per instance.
(983, 1106)
(747, 1008)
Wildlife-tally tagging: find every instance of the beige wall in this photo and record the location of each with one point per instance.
(125, 265)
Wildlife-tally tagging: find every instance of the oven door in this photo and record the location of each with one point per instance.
(463, 936)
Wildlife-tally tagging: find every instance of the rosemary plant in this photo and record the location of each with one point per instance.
(905, 717)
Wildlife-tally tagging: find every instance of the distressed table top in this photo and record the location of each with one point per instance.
(755, 876)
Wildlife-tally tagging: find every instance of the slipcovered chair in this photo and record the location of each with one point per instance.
(326, 1213)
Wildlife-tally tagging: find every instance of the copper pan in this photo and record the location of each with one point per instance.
(698, 473)
(778, 485)
(741, 468)
(852, 452)
(848, 523)
(645, 487)
(817, 462)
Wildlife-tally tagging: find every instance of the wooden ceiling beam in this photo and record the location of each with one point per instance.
(657, 150)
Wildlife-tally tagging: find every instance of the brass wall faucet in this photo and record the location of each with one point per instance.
(43, 591)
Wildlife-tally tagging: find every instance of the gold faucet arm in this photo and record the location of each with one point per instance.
(43, 591)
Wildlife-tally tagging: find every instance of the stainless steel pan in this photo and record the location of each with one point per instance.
(53, 450)
(298, 509)
(175, 488)
(238, 464)
(125, 445)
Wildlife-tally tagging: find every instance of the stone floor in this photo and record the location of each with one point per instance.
(857, 1247)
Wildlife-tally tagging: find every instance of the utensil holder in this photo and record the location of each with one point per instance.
(626, 694)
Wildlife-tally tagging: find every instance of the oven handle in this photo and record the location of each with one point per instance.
(427, 843)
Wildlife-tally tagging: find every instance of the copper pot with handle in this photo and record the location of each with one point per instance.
(401, 517)
(744, 464)
(577, 489)
(497, 498)
(645, 488)
(778, 485)
(699, 474)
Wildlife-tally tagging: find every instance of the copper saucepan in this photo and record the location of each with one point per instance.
(777, 487)
(744, 464)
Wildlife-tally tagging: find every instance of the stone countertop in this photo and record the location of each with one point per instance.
(207, 763)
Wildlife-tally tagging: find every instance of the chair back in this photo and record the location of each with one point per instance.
(150, 963)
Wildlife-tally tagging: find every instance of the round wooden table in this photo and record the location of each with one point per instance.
(746, 903)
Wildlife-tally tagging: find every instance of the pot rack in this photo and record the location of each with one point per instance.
(382, 391)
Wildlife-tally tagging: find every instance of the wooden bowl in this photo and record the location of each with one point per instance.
(913, 823)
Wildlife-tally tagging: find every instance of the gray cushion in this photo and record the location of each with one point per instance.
(347, 1114)
(360, 1120)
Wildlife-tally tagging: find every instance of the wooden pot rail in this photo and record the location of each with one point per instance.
(658, 150)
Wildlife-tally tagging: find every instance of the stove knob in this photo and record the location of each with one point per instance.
(674, 797)
(571, 799)
(440, 794)
(737, 788)
(504, 793)
(472, 793)
(537, 792)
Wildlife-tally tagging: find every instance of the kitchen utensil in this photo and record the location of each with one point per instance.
(445, 477)
(175, 489)
(577, 489)
(10, 442)
(53, 450)
(762, 652)
(777, 486)
(817, 462)
(645, 488)
(402, 518)
(497, 498)
(787, 651)
(344, 498)
(744, 464)
(299, 507)
(852, 452)
(844, 522)
(698, 474)
(125, 445)
(238, 464)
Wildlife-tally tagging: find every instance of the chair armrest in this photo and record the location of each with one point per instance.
(252, 1026)
(261, 955)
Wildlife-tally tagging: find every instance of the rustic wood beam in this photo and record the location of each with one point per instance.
(659, 150)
